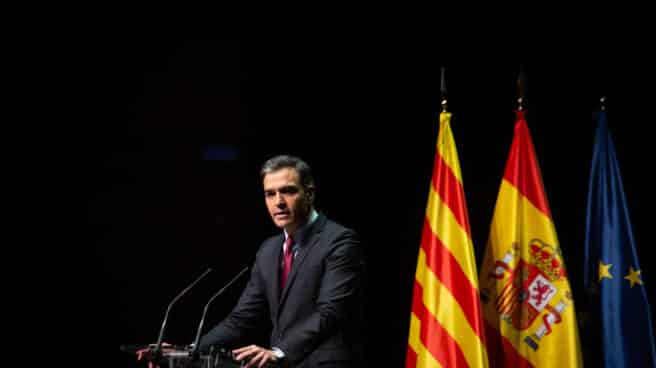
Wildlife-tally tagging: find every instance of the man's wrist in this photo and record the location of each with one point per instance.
(279, 354)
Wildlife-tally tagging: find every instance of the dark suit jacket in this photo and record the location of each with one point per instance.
(317, 318)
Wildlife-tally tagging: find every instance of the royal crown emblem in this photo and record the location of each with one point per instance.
(546, 259)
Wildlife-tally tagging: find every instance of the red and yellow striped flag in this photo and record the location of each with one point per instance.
(527, 301)
(446, 325)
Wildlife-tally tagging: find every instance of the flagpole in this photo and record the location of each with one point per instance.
(443, 91)
(521, 88)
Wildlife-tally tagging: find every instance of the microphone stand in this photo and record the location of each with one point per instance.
(194, 351)
(156, 354)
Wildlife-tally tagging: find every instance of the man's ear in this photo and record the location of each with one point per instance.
(310, 195)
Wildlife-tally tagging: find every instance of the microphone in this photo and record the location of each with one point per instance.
(158, 346)
(202, 319)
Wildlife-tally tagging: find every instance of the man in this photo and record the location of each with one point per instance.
(307, 279)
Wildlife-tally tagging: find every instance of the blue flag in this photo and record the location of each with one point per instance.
(611, 264)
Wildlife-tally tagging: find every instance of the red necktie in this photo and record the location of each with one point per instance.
(287, 261)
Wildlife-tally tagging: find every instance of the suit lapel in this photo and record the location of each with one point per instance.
(311, 239)
(276, 255)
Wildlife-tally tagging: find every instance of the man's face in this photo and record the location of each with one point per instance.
(287, 201)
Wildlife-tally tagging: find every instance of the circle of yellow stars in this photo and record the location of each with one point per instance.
(633, 276)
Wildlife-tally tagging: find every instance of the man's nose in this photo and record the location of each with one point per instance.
(280, 201)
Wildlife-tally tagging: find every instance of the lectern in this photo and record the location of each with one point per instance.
(181, 357)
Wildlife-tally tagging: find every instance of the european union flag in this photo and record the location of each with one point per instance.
(611, 263)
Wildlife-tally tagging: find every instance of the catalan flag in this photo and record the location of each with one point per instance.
(446, 327)
(527, 301)
(617, 298)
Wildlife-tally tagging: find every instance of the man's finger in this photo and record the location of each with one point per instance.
(244, 348)
(244, 354)
(259, 357)
(264, 359)
(246, 351)
(255, 359)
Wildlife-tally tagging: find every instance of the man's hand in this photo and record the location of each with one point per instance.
(144, 353)
(255, 355)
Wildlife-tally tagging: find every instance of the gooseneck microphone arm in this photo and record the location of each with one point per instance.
(202, 319)
(158, 346)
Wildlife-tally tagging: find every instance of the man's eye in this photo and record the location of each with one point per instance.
(289, 190)
(269, 194)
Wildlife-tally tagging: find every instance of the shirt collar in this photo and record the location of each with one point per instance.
(300, 233)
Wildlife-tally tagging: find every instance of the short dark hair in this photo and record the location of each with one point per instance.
(284, 161)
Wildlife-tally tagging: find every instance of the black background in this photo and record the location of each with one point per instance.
(361, 112)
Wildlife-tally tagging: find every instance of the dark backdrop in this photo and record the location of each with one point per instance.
(170, 134)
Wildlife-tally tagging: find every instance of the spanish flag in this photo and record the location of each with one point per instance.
(527, 301)
(446, 325)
